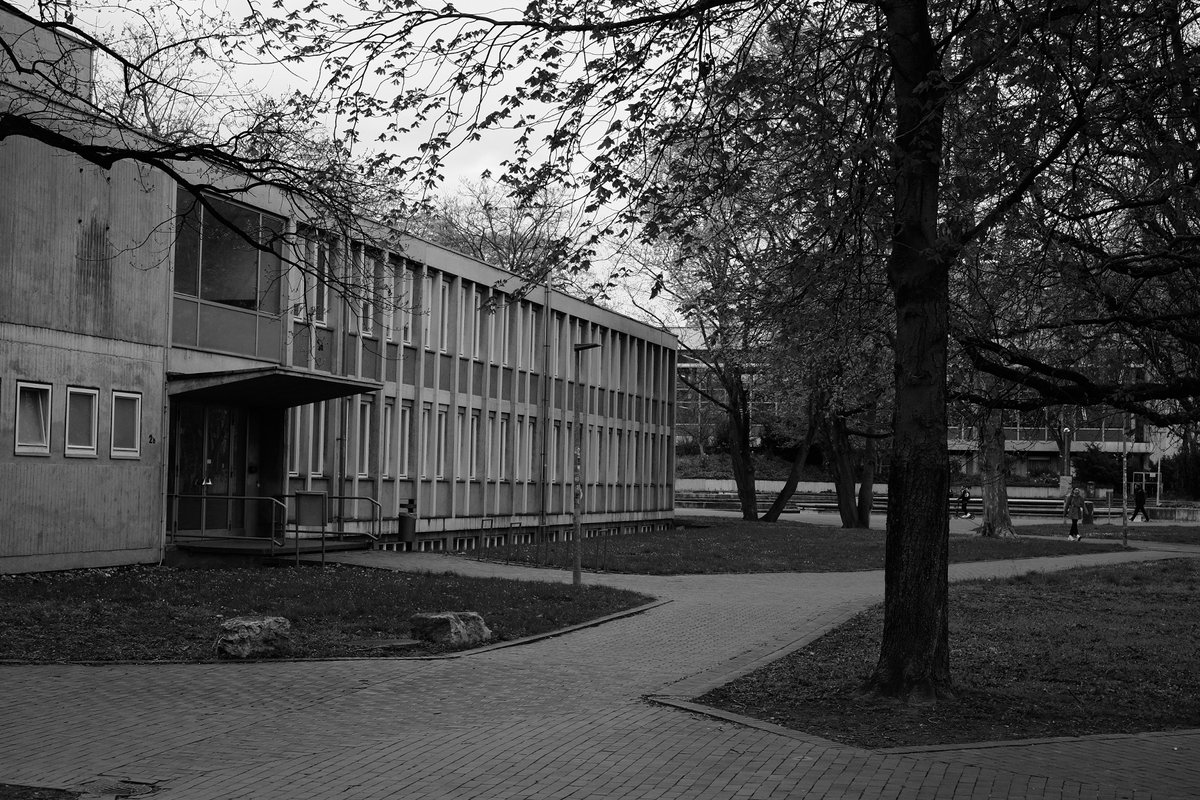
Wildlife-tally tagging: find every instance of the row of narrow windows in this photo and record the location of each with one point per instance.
(39, 416)
(470, 445)
(385, 296)
(1080, 424)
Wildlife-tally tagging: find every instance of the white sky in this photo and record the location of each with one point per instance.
(275, 79)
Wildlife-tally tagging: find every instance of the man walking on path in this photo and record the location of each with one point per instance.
(1139, 503)
(1073, 508)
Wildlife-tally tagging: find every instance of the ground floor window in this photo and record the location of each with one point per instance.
(365, 408)
(294, 417)
(81, 421)
(126, 425)
(33, 419)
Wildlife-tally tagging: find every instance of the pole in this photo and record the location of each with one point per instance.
(577, 435)
(1064, 480)
(544, 408)
(1125, 482)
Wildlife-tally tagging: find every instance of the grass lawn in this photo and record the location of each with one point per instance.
(10, 791)
(1180, 534)
(152, 613)
(1086, 651)
(711, 545)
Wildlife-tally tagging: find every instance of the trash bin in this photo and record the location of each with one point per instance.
(1089, 513)
(408, 528)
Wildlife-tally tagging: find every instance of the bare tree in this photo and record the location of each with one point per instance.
(159, 91)
(528, 236)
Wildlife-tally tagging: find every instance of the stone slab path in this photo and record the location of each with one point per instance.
(561, 717)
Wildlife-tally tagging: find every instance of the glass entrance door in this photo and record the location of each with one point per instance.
(208, 468)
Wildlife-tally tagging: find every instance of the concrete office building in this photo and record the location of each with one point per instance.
(162, 380)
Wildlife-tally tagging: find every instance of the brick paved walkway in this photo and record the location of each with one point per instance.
(563, 717)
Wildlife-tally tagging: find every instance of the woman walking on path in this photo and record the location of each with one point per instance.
(1073, 508)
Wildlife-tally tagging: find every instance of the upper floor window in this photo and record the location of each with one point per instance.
(505, 333)
(533, 337)
(477, 313)
(444, 316)
(366, 283)
(228, 253)
(465, 319)
(407, 303)
(310, 279)
(390, 292)
(426, 309)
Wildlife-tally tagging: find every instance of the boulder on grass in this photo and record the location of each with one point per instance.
(254, 637)
(457, 628)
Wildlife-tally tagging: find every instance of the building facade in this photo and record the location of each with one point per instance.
(174, 368)
(1041, 443)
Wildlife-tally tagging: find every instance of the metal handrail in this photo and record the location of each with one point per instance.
(376, 516)
(276, 505)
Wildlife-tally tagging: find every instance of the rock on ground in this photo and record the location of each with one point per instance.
(254, 637)
(458, 628)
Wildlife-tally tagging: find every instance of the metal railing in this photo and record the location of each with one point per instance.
(279, 521)
(277, 506)
(376, 514)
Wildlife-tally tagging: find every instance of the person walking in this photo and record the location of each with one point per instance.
(1139, 503)
(963, 499)
(1073, 508)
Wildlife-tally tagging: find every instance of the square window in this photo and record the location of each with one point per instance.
(81, 421)
(33, 419)
(126, 425)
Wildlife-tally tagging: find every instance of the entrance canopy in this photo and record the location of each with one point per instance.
(267, 387)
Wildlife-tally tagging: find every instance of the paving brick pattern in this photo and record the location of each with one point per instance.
(562, 717)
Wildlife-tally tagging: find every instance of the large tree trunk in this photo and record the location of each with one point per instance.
(741, 455)
(841, 466)
(914, 655)
(993, 473)
(793, 478)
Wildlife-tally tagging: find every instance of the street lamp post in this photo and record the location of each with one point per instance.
(1064, 482)
(1125, 481)
(577, 546)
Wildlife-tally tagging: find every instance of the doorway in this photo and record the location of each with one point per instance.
(207, 477)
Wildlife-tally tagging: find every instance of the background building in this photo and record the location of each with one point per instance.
(172, 368)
